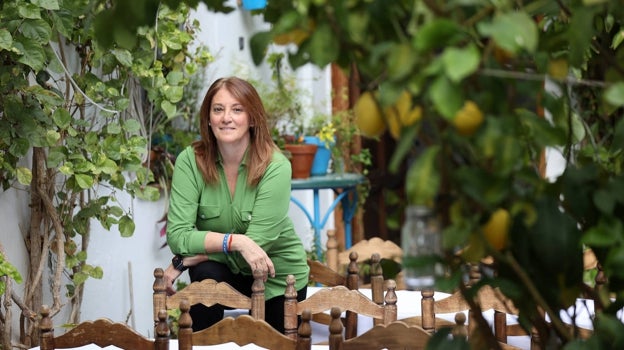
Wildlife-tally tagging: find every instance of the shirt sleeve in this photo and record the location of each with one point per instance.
(186, 187)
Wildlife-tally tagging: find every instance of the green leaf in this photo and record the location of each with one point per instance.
(148, 193)
(37, 30)
(169, 108)
(123, 56)
(80, 278)
(323, 46)
(437, 33)
(423, 179)
(446, 97)
(61, 118)
(126, 226)
(600, 236)
(19, 147)
(46, 97)
(96, 273)
(258, 44)
(29, 11)
(113, 128)
(580, 34)
(131, 126)
(617, 39)
(52, 137)
(108, 166)
(405, 144)
(6, 40)
(512, 31)
(82, 256)
(7, 269)
(175, 78)
(401, 60)
(460, 62)
(55, 157)
(173, 93)
(32, 54)
(615, 94)
(115, 211)
(24, 176)
(84, 181)
(47, 4)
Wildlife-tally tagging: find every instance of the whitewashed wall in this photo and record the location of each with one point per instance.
(125, 292)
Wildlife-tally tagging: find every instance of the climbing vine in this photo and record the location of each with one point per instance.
(76, 119)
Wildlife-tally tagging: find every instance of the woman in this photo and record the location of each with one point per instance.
(228, 211)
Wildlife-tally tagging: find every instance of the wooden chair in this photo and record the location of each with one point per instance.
(242, 330)
(102, 332)
(365, 248)
(322, 274)
(387, 250)
(394, 335)
(487, 299)
(210, 292)
(340, 296)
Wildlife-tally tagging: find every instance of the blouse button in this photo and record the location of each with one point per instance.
(249, 217)
(202, 216)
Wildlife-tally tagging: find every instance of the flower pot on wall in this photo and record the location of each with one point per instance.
(254, 4)
(322, 157)
(302, 156)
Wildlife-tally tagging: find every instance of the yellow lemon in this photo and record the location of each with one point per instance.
(393, 121)
(468, 119)
(412, 117)
(404, 104)
(368, 116)
(496, 229)
(558, 68)
(295, 36)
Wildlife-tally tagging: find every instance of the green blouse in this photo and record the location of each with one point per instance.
(260, 212)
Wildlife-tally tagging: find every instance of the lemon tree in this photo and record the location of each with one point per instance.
(480, 75)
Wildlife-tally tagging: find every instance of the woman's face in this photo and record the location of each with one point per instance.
(229, 120)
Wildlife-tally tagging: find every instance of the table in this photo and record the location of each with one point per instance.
(343, 185)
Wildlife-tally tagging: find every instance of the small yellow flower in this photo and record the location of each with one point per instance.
(327, 133)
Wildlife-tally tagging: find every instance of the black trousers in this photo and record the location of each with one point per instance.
(204, 317)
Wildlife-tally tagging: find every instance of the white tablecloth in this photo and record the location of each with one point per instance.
(173, 345)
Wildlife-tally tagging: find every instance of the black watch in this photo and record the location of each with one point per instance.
(178, 263)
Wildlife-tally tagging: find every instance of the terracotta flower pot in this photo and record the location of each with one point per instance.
(302, 156)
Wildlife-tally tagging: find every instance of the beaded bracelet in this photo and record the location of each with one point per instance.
(225, 243)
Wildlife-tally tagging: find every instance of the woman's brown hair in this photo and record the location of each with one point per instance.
(261, 145)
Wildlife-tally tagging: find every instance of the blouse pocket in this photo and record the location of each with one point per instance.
(245, 219)
(208, 212)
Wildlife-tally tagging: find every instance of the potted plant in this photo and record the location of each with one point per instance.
(321, 133)
(302, 156)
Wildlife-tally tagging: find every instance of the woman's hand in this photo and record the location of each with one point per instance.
(172, 273)
(255, 256)
(169, 277)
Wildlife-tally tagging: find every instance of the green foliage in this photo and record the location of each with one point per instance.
(499, 55)
(86, 106)
(7, 271)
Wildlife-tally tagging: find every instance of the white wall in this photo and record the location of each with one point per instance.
(123, 259)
